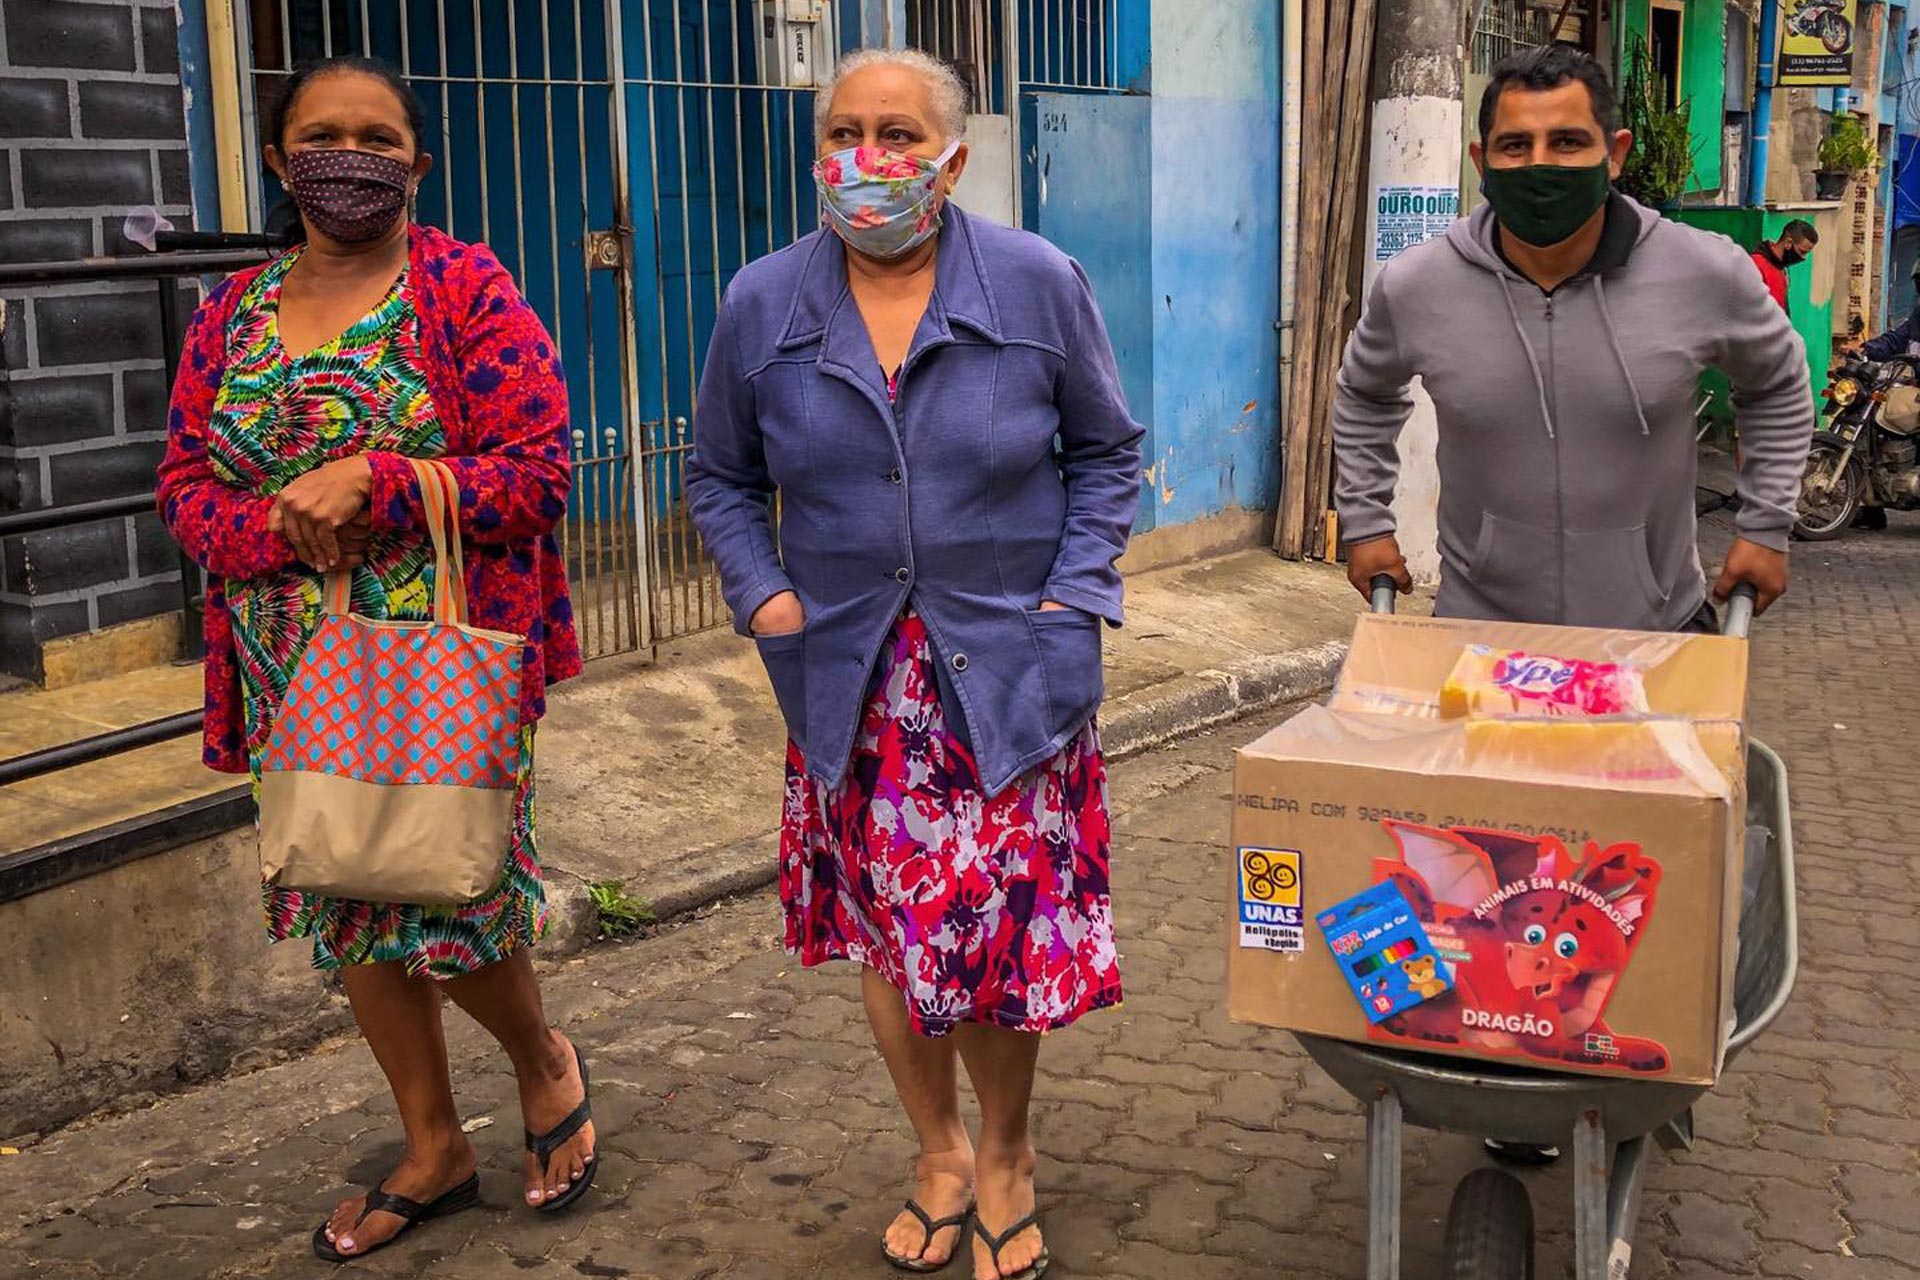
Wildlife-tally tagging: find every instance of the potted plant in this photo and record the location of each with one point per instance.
(1661, 162)
(1847, 150)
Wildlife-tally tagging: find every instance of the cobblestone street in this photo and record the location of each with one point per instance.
(748, 1129)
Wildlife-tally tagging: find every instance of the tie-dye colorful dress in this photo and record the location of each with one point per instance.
(277, 417)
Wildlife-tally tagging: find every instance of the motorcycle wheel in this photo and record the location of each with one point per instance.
(1836, 33)
(1829, 499)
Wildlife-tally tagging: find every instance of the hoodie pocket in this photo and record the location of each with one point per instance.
(1610, 581)
(1608, 578)
(1513, 569)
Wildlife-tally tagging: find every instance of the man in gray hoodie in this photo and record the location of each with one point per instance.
(1561, 331)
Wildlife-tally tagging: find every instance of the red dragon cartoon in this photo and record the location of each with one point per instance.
(1548, 936)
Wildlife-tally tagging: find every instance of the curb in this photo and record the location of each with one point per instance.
(1129, 725)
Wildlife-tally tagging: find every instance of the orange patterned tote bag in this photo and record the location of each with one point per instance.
(391, 770)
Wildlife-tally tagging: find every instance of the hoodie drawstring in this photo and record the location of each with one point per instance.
(1613, 339)
(1533, 361)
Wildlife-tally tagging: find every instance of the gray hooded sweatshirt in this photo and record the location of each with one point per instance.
(1566, 429)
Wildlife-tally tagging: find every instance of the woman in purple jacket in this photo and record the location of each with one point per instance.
(934, 400)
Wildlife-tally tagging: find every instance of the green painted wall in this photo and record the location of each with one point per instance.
(1703, 77)
(1634, 19)
(1703, 81)
(1812, 321)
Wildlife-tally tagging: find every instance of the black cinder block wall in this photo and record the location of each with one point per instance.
(91, 125)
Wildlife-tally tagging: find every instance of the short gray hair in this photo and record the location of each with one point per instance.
(944, 85)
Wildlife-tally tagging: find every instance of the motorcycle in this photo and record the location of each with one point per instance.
(1866, 460)
(1825, 20)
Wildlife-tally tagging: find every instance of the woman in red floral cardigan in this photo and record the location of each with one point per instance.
(304, 388)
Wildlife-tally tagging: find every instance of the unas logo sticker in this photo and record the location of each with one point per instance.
(1271, 915)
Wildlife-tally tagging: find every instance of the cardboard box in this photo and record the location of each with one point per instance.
(1580, 879)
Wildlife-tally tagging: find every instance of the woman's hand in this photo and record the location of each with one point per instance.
(356, 535)
(781, 615)
(312, 511)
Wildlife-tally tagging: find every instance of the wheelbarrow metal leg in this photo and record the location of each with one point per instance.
(1623, 1203)
(1677, 1133)
(1383, 1187)
(1590, 1237)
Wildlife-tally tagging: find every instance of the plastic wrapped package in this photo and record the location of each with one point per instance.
(1403, 665)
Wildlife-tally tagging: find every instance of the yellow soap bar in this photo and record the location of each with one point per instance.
(1590, 750)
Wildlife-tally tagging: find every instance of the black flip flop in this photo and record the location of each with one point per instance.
(933, 1228)
(1035, 1269)
(545, 1144)
(413, 1213)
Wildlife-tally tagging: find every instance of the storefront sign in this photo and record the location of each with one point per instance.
(1406, 216)
(1816, 41)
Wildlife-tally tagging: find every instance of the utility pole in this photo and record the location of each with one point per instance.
(1414, 185)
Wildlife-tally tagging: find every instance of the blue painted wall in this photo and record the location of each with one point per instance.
(1216, 257)
(1087, 190)
(1172, 204)
(196, 85)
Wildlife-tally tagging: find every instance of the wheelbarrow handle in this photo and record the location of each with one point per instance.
(1740, 604)
(1738, 623)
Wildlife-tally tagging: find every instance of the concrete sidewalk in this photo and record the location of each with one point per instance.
(666, 776)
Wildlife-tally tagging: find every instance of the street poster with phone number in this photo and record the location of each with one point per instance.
(1406, 216)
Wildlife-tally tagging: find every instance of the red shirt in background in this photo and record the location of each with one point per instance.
(1774, 274)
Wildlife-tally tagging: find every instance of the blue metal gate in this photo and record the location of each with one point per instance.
(722, 131)
(525, 130)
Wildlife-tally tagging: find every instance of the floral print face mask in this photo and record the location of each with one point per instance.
(882, 203)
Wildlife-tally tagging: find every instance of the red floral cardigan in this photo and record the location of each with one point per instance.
(496, 383)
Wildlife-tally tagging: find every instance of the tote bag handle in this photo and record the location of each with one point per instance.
(440, 495)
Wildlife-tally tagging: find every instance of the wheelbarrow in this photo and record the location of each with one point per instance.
(1613, 1122)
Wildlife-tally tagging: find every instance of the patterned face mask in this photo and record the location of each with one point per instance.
(882, 203)
(349, 196)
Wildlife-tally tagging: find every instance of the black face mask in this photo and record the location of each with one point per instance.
(1544, 204)
(1791, 257)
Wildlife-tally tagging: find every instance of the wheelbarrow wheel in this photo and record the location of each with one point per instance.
(1490, 1228)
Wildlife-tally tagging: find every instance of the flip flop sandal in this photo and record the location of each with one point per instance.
(544, 1145)
(412, 1213)
(933, 1228)
(1035, 1269)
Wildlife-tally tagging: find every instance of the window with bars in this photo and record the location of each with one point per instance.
(1503, 26)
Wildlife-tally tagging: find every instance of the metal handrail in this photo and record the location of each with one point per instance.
(112, 743)
(41, 519)
(150, 266)
(70, 857)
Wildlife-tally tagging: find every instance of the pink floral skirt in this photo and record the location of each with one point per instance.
(988, 909)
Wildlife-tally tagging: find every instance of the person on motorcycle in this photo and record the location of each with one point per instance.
(1777, 257)
(1901, 340)
(1561, 332)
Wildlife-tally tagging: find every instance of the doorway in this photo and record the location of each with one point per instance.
(1665, 24)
